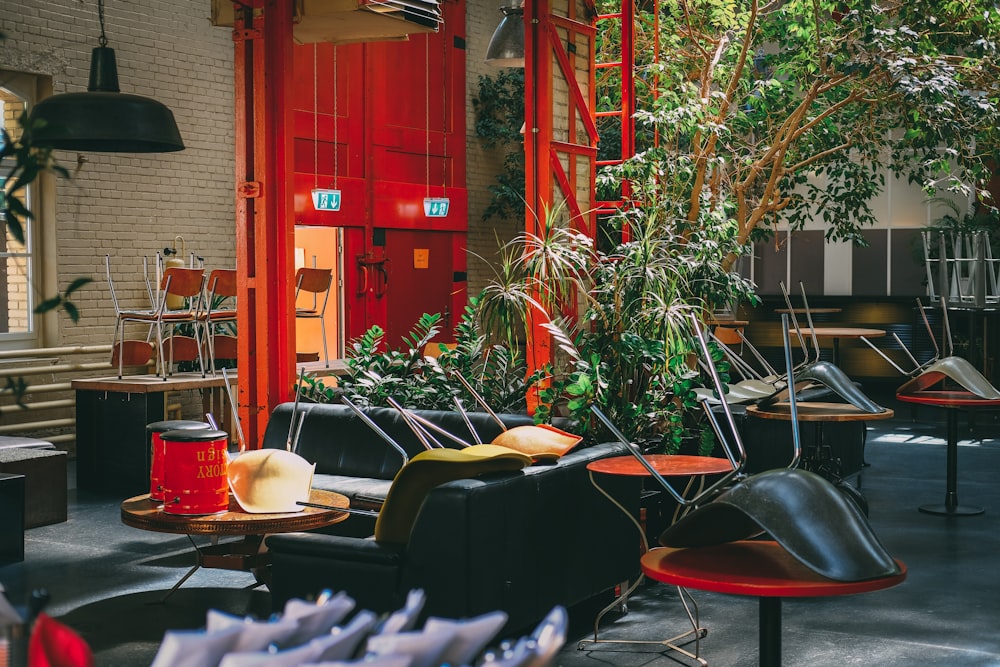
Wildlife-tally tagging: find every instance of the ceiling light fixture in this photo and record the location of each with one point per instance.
(103, 119)
(506, 47)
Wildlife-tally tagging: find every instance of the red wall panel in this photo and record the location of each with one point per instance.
(384, 123)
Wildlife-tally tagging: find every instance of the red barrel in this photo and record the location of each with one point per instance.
(155, 442)
(195, 467)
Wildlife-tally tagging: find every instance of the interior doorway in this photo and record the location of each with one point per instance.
(320, 247)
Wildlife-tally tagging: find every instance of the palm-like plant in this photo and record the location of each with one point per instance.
(629, 352)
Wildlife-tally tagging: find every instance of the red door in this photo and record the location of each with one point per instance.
(420, 280)
(383, 123)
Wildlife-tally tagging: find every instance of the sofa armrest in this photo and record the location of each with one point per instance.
(303, 564)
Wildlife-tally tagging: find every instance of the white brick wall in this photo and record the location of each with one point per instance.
(131, 205)
(481, 19)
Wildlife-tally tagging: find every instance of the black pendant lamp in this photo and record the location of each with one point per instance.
(103, 119)
(506, 48)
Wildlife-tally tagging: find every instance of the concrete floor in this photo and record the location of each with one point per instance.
(106, 579)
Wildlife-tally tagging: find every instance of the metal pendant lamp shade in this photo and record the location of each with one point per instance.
(103, 119)
(506, 47)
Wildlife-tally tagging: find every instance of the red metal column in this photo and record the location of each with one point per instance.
(537, 144)
(264, 232)
(554, 165)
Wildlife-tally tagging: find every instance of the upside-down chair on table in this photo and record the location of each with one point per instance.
(185, 285)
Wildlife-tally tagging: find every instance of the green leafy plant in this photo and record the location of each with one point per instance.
(29, 161)
(416, 379)
(793, 111)
(630, 351)
(377, 373)
(496, 371)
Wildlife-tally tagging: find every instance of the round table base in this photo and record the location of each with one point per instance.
(941, 509)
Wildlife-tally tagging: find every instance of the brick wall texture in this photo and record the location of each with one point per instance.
(131, 205)
(481, 19)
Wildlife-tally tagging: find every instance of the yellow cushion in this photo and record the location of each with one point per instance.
(432, 468)
(539, 441)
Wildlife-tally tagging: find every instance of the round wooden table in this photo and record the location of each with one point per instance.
(951, 401)
(811, 311)
(245, 555)
(836, 333)
(759, 568)
(818, 413)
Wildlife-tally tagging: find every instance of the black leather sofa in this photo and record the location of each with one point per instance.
(517, 541)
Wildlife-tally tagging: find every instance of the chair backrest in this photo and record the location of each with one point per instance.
(181, 348)
(182, 282)
(224, 346)
(431, 468)
(133, 353)
(222, 283)
(313, 280)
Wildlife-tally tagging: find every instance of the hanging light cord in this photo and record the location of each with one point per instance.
(103, 41)
(315, 120)
(427, 111)
(336, 120)
(444, 124)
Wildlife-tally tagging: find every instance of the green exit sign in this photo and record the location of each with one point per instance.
(436, 207)
(326, 200)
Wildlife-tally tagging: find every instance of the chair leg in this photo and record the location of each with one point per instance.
(161, 360)
(210, 345)
(197, 342)
(322, 329)
(120, 335)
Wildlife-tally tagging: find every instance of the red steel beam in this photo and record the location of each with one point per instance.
(537, 140)
(264, 231)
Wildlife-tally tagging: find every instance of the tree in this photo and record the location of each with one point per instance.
(791, 110)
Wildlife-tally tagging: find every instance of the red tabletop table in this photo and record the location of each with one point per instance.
(667, 465)
(951, 401)
(759, 568)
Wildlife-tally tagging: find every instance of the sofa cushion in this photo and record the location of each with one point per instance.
(542, 442)
(362, 491)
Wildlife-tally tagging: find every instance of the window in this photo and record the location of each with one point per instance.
(17, 322)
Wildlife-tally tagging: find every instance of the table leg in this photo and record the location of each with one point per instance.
(696, 632)
(951, 506)
(187, 575)
(769, 611)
